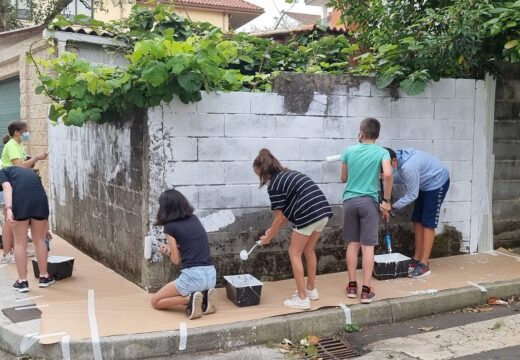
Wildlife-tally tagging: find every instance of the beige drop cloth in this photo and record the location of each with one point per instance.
(123, 308)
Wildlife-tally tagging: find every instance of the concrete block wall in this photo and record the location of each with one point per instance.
(206, 150)
(506, 189)
(97, 196)
(34, 109)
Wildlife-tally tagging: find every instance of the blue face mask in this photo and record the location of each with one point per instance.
(26, 136)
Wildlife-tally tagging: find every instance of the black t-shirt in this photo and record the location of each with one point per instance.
(300, 199)
(192, 241)
(29, 197)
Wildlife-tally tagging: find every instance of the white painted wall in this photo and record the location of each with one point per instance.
(206, 149)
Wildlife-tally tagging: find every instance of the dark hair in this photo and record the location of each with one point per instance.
(14, 126)
(392, 153)
(267, 165)
(172, 206)
(370, 128)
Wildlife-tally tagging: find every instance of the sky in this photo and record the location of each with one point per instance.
(272, 10)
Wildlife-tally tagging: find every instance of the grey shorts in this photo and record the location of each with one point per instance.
(197, 278)
(361, 221)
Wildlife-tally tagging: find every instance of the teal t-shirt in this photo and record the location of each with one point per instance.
(364, 169)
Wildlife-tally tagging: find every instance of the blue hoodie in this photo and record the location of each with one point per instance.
(418, 171)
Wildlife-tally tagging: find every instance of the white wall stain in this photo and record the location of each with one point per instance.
(218, 220)
(79, 152)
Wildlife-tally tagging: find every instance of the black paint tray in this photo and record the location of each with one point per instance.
(60, 267)
(243, 290)
(390, 266)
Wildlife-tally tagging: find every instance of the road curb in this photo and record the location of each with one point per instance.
(325, 321)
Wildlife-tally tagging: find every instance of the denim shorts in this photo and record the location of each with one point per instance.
(198, 278)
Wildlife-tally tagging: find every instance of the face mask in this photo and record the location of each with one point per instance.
(26, 136)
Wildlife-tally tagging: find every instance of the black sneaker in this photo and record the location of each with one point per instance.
(209, 302)
(194, 307)
(46, 281)
(21, 287)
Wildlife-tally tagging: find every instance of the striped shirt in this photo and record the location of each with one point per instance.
(300, 199)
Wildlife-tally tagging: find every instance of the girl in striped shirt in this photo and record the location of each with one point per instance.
(297, 199)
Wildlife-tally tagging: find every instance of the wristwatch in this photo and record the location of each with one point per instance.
(386, 201)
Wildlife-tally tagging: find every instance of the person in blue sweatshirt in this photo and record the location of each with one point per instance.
(426, 181)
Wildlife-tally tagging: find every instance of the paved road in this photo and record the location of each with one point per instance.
(491, 335)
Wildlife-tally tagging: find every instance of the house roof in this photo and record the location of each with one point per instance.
(284, 34)
(81, 29)
(26, 31)
(240, 5)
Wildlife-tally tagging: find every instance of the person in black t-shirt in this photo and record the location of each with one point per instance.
(187, 245)
(26, 205)
(297, 199)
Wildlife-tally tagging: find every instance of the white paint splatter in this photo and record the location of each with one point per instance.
(424, 292)
(390, 258)
(218, 220)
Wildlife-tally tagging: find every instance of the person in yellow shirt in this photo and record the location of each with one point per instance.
(14, 154)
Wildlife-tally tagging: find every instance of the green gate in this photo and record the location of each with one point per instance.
(9, 104)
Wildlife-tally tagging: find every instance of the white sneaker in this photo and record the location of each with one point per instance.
(8, 259)
(296, 303)
(312, 294)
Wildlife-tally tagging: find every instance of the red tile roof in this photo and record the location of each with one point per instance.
(222, 4)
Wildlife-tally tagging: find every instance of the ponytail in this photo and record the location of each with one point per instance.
(6, 138)
(267, 165)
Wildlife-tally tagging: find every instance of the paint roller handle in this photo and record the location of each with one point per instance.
(333, 158)
(388, 238)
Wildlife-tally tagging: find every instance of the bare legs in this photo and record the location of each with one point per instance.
(303, 245)
(367, 260)
(7, 235)
(424, 238)
(38, 231)
(168, 297)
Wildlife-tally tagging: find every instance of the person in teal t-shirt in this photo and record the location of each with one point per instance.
(361, 170)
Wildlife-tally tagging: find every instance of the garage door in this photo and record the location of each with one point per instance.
(9, 104)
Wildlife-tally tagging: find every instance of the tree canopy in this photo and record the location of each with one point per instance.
(413, 41)
(43, 11)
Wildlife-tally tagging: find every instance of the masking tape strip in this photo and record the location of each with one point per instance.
(183, 328)
(508, 255)
(482, 288)
(94, 334)
(348, 315)
(29, 340)
(29, 298)
(65, 347)
(31, 307)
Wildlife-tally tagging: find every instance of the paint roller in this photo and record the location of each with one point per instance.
(148, 241)
(333, 158)
(244, 255)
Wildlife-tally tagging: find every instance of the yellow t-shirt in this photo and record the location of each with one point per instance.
(12, 150)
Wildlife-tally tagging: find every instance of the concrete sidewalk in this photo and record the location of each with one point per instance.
(223, 337)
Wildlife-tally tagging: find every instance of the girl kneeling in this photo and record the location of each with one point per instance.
(187, 244)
